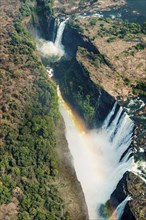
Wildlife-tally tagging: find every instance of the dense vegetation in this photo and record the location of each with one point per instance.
(44, 7)
(87, 98)
(140, 88)
(28, 162)
(76, 92)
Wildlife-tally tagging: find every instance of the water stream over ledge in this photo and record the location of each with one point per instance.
(100, 157)
(97, 154)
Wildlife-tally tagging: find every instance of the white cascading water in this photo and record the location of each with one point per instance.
(58, 40)
(97, 154)
(55, 28)
(120, 209)
(53, 49)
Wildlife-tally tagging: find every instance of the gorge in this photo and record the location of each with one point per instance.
(73, 112)
(100, 156)
(97, 156)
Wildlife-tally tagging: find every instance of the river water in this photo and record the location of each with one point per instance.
(100, 157)
(97, 155)
(137, 5)
(133, 11)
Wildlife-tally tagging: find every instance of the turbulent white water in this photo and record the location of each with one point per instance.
(97, 154)
(58, 40)
(139, 169)
(53, 49)
(56, 25)
(120, 209)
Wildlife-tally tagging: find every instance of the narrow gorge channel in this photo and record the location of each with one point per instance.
(97, 156)
(101, 156)
(73, 110)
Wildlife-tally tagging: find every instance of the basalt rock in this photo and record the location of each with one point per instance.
(76, 85)
(72, 39)
(119, 194)
(71, 76)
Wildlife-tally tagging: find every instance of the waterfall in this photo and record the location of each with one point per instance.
(107, 121)
(120, 209)
(55, 28)
(53, 49)
(58, 40)
(97, 154)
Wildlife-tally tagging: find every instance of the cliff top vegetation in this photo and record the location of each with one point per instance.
(124, 46)
(28, 118)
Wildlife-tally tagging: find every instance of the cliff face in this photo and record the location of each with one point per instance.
(102, 65)
(123, 45)
(34, 168)
(30, 123)
(90, 100)
(106, 56)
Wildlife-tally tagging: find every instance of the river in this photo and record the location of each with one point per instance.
(133, 11)
(102, 156)
(97, 155)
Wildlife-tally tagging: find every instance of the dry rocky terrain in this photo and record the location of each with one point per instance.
(127, 65)
(71, 7)
(17, 84)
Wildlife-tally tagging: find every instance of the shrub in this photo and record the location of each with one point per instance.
(93, 21)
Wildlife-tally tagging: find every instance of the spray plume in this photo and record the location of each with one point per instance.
(97, 154)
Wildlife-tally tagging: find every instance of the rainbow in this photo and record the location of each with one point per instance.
(96, 159)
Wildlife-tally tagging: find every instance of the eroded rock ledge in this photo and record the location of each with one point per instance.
(90, 63)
